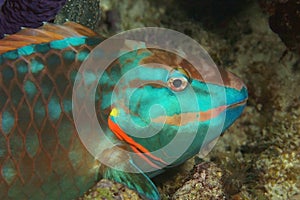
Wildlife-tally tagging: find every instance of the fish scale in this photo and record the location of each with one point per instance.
(39, 145)
(145, 100)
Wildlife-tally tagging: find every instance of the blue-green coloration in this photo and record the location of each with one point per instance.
(7, 122)
(54, 109)
(24, 51)
(36, 65)
(22, 67)
(82, 55)
(141, 108)
(30, 88)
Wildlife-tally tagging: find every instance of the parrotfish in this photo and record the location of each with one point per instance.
(42, 155)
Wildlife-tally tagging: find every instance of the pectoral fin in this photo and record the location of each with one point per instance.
(127, 173)
(139, 182)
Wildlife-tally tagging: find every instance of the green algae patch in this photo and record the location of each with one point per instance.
(109, 190)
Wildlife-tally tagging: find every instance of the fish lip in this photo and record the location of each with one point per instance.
(238, 104)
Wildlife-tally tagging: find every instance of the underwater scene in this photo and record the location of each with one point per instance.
(150, 99)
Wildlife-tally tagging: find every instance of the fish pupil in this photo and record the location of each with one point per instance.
(177, 83)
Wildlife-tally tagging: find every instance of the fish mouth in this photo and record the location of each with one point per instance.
(238, 104)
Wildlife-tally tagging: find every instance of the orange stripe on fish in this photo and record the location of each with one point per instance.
(136, 147)
(185, 118)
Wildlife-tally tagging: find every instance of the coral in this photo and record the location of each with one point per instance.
(85, 12)
(206, 183)
(284, 20)
(109, 190)
(120, 15)
(279, 164)
(265, 145)
(25, 13)
(212, 13)
(169, 182)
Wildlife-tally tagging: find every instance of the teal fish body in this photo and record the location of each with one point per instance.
(41, 156)
(141, 107)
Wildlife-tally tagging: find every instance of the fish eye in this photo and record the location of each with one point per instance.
(177, 83)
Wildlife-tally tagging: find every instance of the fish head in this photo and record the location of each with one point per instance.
(164, 108)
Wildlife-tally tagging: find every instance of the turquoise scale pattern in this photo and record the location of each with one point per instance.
(41, 156)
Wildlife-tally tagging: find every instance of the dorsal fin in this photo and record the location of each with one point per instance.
(46, 33)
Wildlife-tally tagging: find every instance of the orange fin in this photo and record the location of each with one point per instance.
(46, 33)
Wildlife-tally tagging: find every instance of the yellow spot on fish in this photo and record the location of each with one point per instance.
(114, 112)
